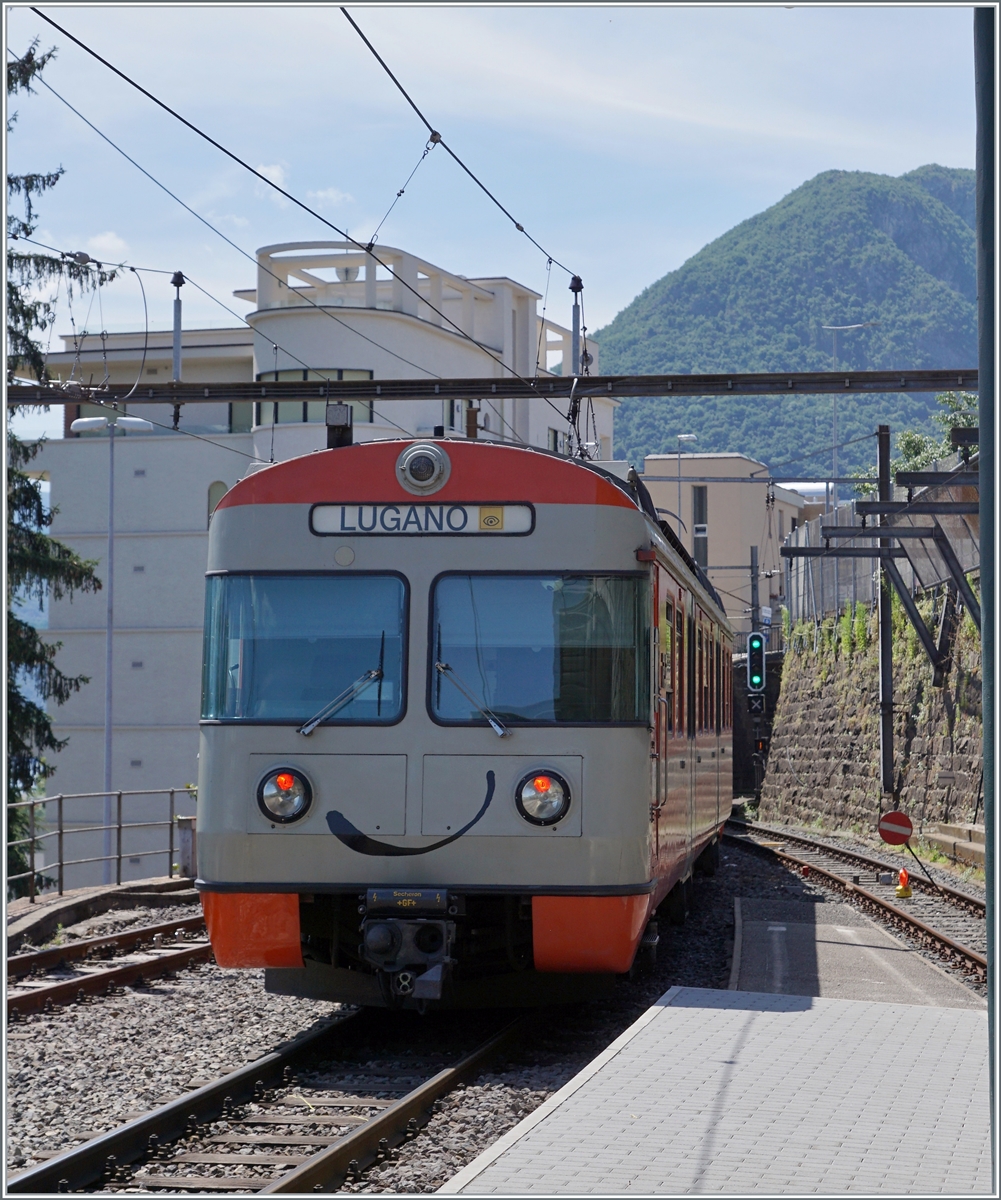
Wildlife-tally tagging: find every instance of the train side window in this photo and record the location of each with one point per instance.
(667, 661)
(700, 711)
(689, 657)
(717, 689)
(679, 671)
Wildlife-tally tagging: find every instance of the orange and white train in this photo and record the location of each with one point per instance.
(466, 725)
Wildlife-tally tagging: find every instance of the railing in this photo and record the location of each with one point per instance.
(118, 826)
(774, 641)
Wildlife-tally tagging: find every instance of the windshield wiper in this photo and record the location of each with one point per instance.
(345, 698)
(494, 721)
(351, 693)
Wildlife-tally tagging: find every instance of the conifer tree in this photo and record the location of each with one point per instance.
(38, 566)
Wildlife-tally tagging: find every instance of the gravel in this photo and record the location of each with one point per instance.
(115, 921)
(82, 1069)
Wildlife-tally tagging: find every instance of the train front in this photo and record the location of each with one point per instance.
(425, 739)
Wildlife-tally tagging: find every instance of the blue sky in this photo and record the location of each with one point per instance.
(623, 138)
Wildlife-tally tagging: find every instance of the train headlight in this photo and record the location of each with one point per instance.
(543, 798)
(423, 468)
(284, 796)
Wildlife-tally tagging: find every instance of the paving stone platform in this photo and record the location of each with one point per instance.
(753, 1093)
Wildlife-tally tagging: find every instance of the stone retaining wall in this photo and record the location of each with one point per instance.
(823, 762)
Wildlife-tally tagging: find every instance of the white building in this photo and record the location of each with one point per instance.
(320, 310)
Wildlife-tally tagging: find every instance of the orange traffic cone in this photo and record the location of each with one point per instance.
(904, 885)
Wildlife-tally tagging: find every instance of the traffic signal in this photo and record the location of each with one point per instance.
(756, 662)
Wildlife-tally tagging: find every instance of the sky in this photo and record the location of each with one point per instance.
(623, 138)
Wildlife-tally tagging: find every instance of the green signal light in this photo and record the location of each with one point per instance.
(755, 679)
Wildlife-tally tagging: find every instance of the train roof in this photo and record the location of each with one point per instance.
(365, 473)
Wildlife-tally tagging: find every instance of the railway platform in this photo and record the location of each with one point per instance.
(741, 1092)
(834, 950)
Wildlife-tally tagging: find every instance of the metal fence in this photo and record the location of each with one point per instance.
(775, 639)
(39, 833)
(821, 586)
(815, 587)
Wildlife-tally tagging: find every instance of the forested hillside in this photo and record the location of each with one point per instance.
(846, 247)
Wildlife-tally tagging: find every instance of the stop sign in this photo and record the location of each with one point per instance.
(895, 828)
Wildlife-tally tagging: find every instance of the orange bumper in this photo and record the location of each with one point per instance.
(587, 933)
(253, 929)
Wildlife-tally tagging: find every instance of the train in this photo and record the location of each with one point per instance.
(466, 726)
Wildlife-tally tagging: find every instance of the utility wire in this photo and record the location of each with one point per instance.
(239, 249)
(240, 317)
(368, 249)
(253, 259)
(375, 236)
(215, 299)
(813, 454)
(438, 139)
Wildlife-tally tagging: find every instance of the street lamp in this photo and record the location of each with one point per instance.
(682, 437)
(95, 425)
(835, 330)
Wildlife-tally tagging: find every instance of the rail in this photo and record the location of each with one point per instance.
(32, 843)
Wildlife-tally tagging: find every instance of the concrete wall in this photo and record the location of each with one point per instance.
(824, 757)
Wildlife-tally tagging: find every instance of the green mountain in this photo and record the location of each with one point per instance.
(846, 247)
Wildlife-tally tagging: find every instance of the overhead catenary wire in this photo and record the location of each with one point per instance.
(215, 299)
(288, 195)
(208, 225)
(427, 150)
(437, 138)
(252, 258)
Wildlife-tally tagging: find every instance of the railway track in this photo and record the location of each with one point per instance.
(940, 918)
(70, 973)
(259, 1130)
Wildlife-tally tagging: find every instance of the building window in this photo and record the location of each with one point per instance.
(139, 472)
(456, 413)
(700, 528)
(557, 441)
(308, 412)
(138, 570)
(241, 417)
(136, 762)
(782, 526)
(793, 524)
(216, 492)
(137, 664)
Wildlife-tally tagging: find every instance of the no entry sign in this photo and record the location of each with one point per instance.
(895, 828)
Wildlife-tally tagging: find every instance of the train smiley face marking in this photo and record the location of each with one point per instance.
(361, 843)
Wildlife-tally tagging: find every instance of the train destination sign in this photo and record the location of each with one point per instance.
(419, 520)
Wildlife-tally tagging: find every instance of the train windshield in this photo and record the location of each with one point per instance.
(278, 648)
(536, 649)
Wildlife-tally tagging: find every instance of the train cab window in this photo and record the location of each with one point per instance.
(540, 649)
(279, 648)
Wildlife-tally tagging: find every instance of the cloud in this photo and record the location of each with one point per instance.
(330, 196)
(278, 175)
(107, 245)
(275, 173)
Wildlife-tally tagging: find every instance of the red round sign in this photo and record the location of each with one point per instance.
(895, 828)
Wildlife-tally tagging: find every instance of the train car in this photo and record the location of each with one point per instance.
(465, 725)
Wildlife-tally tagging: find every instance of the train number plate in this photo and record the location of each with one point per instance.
(401, 900)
